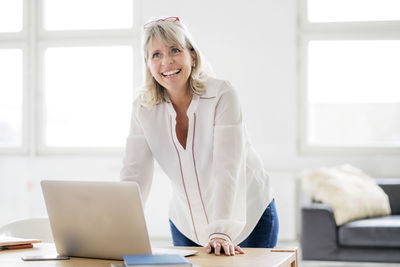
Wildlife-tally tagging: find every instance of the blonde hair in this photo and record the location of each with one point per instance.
(173, 33)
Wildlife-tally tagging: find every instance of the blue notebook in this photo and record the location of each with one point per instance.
(156, 260)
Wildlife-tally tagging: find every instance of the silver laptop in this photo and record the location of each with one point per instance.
(96, 219)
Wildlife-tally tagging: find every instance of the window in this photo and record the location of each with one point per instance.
(87, 105)
(88, 14)
(352, 10)
(11, 76)
(349, 55)
(11, 97)
(10, 16)
(67, 84)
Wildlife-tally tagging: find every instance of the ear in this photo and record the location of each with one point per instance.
(194, 57)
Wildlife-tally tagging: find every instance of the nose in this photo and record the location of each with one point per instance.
(167, 59)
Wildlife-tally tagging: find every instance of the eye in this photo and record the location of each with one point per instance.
(156, 55)
(175, 50)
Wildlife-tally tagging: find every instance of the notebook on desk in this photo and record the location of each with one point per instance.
(96, 219)
(10, 242)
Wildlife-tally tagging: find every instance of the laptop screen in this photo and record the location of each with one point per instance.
(96, 219)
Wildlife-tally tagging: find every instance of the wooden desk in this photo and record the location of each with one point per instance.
(253, 257)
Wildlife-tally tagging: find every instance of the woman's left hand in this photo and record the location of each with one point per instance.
(216, 244)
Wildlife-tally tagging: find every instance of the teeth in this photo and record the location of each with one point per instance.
(170, 72)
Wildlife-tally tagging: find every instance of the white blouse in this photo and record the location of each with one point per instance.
(220, 188)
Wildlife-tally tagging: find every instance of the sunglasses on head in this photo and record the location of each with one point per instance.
(169, 19)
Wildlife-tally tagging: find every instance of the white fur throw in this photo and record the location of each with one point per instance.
(349, 191)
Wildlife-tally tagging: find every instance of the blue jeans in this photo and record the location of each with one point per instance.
(264, 235)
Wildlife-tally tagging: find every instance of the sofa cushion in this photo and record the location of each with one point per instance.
(349, 191)
(374, 232)
(391, 186)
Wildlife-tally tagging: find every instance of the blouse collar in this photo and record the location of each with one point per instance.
(191, 109)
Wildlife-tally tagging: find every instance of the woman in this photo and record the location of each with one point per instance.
(192, 125)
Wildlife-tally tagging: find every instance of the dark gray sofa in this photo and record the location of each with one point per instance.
(372, 239)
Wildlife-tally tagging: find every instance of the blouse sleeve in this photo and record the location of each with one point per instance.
(228, 216)
(138, 163)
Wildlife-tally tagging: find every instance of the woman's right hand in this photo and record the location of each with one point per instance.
(229, 248)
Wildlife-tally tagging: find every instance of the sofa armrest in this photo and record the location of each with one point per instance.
(391, 186)
(319, 232)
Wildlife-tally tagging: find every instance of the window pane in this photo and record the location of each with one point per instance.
(10, 15)
(355, 124)
(353, 10)
(88, 96)
(354, 71)
(10, 97)
(87, 14)
(354, 96)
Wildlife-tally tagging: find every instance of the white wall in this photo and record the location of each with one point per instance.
(253, 45)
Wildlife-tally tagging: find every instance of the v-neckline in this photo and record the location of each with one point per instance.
(183, 130)
(189, 134)
(191, 118)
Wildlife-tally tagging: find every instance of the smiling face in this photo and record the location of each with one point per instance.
(170, 65)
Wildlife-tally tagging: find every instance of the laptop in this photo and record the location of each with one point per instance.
(99, 219)
(96, 219)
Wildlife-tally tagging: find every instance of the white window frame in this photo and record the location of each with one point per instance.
(34, 40)
(309, 31)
